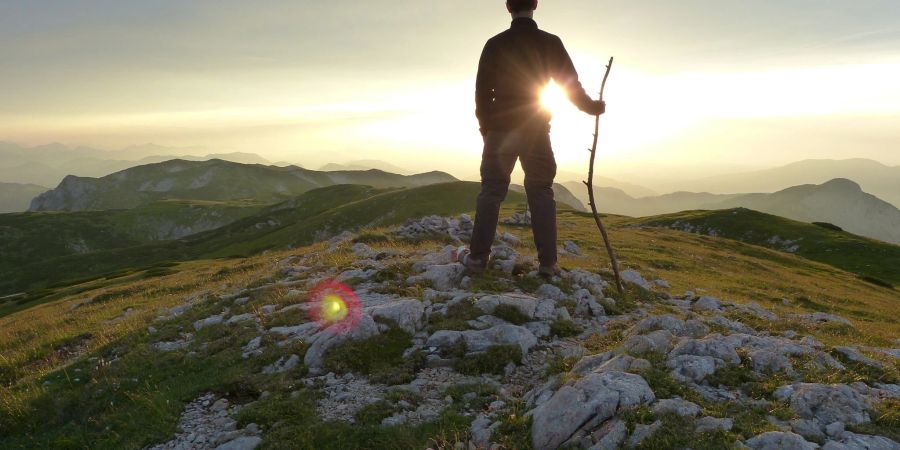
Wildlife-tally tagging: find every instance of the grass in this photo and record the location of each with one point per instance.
(379, 357)
(565, 328)
(92, 402)
(456, 318)
(492, 361)
(291, 423)
(511, 314)
(818, 242)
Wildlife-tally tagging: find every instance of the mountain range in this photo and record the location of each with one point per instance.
(213, 180)
(874, 177)
(47, 165)
(840, 201)
(15, 197)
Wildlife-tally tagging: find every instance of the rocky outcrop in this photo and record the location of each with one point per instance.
(596, 397)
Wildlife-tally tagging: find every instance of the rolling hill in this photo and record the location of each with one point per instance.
(315, 215)
(15, 197)
(873, 260)
(213, 180)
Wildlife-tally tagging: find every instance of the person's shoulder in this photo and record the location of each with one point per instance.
(550, 36)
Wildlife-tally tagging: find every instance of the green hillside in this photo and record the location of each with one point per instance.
(874, 260)
(317, 214)
(35, 236)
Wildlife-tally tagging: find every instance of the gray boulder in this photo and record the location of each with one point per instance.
(826, 404)
(524, 303)
(241, 443)
(407, 313)
(711, 424)
(635, 278)
(545, 310)
(480, 340)
(676, 406)
(778, 440)
(706, 303)
(549, 291)
(597, 397)
(851, 354)
(442, 277)
(692, 368)
(610, 435)
(853, 441)
(642, 432)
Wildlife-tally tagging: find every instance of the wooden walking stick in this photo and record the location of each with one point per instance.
(590, 188)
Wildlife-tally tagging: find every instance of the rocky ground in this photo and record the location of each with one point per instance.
(561, 363)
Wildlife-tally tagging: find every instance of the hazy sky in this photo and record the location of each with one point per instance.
(697, 86)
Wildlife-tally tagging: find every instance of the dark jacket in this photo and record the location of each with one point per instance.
(515, 67)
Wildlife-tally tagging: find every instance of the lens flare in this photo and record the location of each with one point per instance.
(335, 306)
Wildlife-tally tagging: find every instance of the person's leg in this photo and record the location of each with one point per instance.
(540, 170)
(497, 162)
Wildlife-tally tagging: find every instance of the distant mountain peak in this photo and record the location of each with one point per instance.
(842, 184)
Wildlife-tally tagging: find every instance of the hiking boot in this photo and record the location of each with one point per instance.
(550, 271)
(471, 264)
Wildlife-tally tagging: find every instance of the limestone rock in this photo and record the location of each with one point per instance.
(635, 278)
(826, 404)
(480, 340)
(706, 303)
(778, 440)
(597, 396)
(442, 277)
(853, 441)
(524, 303)
(676, 406)
(710, 424)
(407, 313)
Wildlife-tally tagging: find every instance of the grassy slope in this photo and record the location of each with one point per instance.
(29, 237)
(860, 255)
(137, 400)
(310, 217)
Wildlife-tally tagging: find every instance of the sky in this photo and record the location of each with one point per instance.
(698, 86)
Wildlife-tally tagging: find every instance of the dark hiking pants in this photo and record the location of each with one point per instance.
(501, 149)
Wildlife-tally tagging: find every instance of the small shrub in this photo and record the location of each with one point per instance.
(372, 238)
(456, 317)
(828, 226)
(514, 432)
(484, 395)
(493, 360)
(565, 328)
(876, 281)
(732, 375)
(374, 413)
(380, 357)
(457, 350)
(885, 420)
(511, 314)
(560, 364)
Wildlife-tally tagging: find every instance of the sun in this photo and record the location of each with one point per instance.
(554, 99)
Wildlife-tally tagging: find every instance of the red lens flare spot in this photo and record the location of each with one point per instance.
(335, 306)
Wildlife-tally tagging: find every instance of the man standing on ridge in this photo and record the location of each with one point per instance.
(515, 67)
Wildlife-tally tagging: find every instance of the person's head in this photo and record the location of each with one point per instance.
(521, 8)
